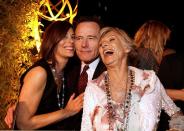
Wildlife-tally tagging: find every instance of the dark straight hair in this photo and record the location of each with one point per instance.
(53, 34)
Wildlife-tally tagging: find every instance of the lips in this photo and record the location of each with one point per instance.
(108, 52)
(69, 47)
(85, 50)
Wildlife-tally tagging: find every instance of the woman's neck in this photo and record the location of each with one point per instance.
(118, 75)
(60, 64)
(118, 82)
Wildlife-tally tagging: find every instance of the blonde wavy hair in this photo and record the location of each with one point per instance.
(124, 37)
(153, 35)
(126, 40)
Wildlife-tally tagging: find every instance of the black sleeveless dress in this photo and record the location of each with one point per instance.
(48, 101)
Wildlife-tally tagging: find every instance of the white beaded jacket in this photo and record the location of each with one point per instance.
(148, 97)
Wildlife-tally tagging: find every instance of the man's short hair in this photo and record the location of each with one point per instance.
(95, 19)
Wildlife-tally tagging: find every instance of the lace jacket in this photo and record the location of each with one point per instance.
(148, 97)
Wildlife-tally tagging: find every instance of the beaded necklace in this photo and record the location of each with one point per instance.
(127, 102)
(60, 80)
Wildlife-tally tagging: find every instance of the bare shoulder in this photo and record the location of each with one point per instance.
(36, 73)
(34, 82)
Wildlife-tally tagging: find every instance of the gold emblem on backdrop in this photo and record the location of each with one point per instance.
(49, 10)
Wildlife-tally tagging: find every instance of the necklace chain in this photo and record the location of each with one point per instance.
(60, 80)
(127, 102)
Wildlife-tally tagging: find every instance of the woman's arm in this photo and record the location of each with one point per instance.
(176, 94)
(30, 96)
(177, 118)
(167, 103)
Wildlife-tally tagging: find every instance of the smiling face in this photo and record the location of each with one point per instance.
(86, 41)
(112, 47)
(65, 47)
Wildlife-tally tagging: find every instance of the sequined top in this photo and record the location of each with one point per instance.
(148, 97)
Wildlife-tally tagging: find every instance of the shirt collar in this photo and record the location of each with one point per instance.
(92, 68)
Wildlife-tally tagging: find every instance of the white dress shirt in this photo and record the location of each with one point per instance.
(92, 68)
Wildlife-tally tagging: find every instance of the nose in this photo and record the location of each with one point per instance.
(84, 43)
(104, 44)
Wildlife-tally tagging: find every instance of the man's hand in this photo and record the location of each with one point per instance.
(9, 118)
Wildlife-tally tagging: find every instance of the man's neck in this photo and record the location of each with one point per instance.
(89, 62)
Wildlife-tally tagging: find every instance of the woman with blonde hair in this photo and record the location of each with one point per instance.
(153, 35)
(123, 98)
(150, 40)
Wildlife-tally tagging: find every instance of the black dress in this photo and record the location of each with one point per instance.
(48, 101)
(171, 74)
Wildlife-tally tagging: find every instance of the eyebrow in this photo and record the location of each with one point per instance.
(87, 36)
(112, 35)
(91, 36)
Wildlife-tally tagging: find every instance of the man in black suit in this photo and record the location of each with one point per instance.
(87, 34)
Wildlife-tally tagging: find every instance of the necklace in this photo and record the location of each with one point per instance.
(59, 79)
(127, 102)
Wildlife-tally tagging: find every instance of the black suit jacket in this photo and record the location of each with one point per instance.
(72, 74)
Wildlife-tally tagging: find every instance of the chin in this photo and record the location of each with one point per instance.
(107, 60)
(86, 58)
(69, 55)
(108, 63)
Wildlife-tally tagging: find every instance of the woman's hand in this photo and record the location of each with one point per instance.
(74, 105)
(172, 130)
(176, 122)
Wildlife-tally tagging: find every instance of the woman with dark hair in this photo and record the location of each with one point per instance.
(41, 101)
